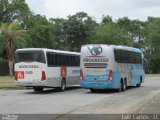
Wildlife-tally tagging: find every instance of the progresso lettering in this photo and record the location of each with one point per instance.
(28, 66)
(95, 60)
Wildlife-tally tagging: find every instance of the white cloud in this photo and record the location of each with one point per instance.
(134, 9)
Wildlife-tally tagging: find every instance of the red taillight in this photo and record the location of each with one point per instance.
(43, 76)
(110, 78)
(81, 75)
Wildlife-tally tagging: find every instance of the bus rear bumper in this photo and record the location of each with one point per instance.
(97, 85)
(30, 83)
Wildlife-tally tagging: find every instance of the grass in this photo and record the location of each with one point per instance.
(7, 82)
(152, 75)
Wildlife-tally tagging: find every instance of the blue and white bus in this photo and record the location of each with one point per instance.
(105, 66)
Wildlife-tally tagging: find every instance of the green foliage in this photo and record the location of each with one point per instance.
(108, 33)
(75, 31)
(106, 19)
(2, 61)
(152, 49)
(11, 10)
(79, 28)
(60, 32)
(40, 32)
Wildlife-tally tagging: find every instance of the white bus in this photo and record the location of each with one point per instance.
(42, 68)
(110, 67)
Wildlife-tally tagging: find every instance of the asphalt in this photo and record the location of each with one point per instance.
(152, 106)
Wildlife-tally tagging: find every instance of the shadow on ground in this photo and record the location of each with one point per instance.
(51, 90)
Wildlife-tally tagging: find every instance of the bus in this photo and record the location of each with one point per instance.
(46, 68)
(105, 66)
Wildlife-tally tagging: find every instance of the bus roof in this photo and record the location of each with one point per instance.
(123, 47)
(127, 48)
(48, 50)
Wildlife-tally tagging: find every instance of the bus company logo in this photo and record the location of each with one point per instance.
(63, 71)
(95, 50)
(20, 74)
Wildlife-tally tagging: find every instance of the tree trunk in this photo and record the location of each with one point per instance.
(11, 68)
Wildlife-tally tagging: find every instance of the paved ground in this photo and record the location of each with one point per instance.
(151, 107)
(80, 104)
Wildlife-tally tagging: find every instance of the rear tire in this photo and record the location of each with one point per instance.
(122, 86)
(139, 84)
(38, 89)
(93, 90)
(63, 86)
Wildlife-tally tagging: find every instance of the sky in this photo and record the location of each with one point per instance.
(133, 9)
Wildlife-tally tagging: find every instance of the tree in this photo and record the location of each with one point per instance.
(106, 19)
(132, 31)
(109, 32)
(152, 43)
(79, 28)
(60, 32)
(10, 34)
(11, 10)
(73, 32)
(40, 32)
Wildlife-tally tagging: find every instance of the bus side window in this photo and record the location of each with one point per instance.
(48, 59)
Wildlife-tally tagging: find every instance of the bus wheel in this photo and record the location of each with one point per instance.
(139, 84)
(123, 86)
(62, 88)
(38, 89)
(93, 90)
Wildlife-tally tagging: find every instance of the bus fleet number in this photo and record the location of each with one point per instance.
(29, 72)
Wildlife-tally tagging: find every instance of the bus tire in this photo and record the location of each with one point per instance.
(62, 88)
(139, 84)
(93, 90)
(38, 89)
(123, 85)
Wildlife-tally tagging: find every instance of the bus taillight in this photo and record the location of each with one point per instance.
(43, 76)
(110, 78)
(81, 75)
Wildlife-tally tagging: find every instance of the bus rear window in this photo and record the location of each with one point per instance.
(30, 56)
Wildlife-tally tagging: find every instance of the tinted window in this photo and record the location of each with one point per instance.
(30, 56)
(57, 59)
(123, 56)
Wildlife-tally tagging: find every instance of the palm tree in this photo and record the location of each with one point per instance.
(10, 34)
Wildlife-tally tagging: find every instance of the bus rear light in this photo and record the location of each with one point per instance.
(43, 76)
(81, 75)
(110, 78)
